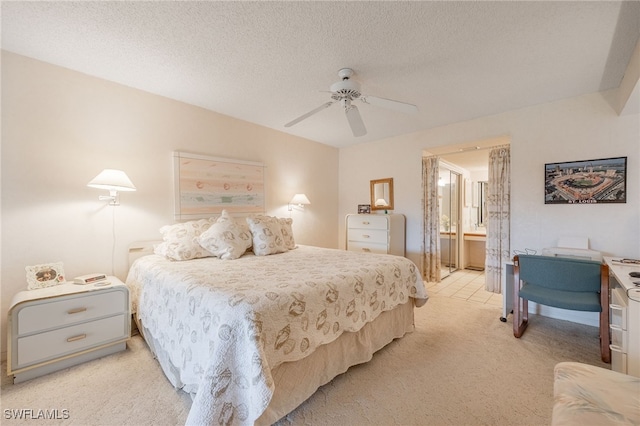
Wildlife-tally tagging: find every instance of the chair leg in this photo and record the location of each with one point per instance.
(520, 316)
(605, 351)
(520, 306)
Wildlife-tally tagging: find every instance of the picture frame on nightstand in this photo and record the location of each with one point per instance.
(364, 208)
(45, 275)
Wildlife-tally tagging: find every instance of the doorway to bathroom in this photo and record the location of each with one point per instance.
(467, 236)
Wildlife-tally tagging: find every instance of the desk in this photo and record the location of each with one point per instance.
(625, 317)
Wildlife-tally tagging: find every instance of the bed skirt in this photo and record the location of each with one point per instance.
(297, 381)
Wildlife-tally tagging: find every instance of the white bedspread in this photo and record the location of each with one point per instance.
(224, 324)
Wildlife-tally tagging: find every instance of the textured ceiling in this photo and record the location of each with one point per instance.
(270, 62)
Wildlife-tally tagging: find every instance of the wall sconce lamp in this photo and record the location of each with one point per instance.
(300, 200)
(113, 181)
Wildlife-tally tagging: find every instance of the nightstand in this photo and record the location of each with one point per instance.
(56, 327)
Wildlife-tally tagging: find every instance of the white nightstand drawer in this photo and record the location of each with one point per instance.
(375, 236)
(367, 247)
(366, 221)
(56, 312)
(53, 344)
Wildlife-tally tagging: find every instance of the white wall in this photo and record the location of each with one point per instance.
(581, 128)
(60, 128)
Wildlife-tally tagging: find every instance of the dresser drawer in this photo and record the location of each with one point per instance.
(618, 360)
(372, 233)
(367, 222)
(374, 236)
(51, 313)
(618, 338)
(618, 308)
(367, 247)
(68, 340)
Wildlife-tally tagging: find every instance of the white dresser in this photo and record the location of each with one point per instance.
(64, 325)
(376, 233)
(624, 311)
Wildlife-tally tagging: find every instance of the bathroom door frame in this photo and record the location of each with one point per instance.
(459, 194)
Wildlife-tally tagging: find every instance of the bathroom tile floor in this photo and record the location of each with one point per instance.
(467, 285)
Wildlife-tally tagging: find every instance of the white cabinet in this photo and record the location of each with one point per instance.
(64, 325)
(373, 233)
(624, 313)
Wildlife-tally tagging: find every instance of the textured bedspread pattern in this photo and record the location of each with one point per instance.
(589, 395)
(223, 325)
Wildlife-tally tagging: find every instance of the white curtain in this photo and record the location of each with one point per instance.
(430, 220)
(498, 233)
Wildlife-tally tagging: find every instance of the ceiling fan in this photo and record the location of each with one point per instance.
(345, 91)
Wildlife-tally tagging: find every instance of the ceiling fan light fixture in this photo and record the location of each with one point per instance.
(347, 90)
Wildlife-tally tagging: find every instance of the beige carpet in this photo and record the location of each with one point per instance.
(461, 366)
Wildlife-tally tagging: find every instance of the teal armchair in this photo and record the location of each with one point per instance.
(566, 283)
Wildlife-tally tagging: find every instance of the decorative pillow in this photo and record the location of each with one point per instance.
(226, 238)
(180, 241)
(267, 235)
(287, 232)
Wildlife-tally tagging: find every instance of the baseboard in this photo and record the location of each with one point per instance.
(580, 317)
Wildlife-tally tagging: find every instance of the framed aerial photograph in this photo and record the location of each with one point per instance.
(586, 181)
(45, 275)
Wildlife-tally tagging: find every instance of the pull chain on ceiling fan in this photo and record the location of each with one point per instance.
(345, 92)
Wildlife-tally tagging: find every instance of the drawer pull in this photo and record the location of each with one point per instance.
(78, 337)
(616, 348)
(366, 249)
(365, 236)
(76, 311)
(365, 223)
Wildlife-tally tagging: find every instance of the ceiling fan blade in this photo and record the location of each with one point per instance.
(355, 121)
(390, 104)
(309, 114)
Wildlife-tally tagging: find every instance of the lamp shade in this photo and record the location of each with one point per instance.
(300, 199)
(381, 202)
(112, 180)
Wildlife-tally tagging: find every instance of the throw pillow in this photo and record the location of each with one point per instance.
(226, 239)
(179, 240)
(267, 235)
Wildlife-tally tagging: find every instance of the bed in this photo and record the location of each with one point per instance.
(252, 338)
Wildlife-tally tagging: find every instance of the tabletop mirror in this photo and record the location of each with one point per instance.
(382, 194)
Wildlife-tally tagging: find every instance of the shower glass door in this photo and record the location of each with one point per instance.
(448, 194)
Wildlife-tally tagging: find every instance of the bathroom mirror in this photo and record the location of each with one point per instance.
(382, 194)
